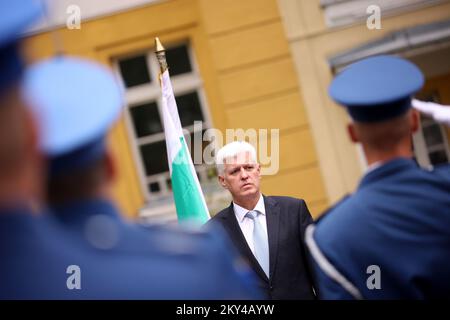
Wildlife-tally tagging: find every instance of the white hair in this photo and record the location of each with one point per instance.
(231, 150)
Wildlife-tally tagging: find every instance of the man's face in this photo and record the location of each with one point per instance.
(241, 176)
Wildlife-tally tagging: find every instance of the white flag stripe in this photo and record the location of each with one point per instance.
(176, 145)
(171, 102)
(173, 143)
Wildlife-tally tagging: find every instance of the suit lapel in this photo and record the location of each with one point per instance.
(273, 219)
(232, 226)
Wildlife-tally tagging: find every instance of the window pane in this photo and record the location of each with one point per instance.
(146, 119)
(438, 157)
(433, 135)
(154, 156)
(189, 108)
(154, 187)
(134, 71)
(178, 60)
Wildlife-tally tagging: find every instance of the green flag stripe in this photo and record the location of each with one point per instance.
(188, 200)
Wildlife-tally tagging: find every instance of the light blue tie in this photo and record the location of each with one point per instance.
(260, 241)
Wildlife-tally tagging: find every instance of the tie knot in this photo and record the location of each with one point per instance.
(252, 214)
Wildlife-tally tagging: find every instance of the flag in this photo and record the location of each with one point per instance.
(189, 200)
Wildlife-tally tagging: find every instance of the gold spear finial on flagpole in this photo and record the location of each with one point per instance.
(160, 55)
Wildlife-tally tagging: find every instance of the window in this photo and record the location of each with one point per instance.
(139, 74)
(430, 143)
(134, 71)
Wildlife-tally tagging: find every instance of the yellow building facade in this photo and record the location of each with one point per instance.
(325, 35)
(247, 74)
(262, 64)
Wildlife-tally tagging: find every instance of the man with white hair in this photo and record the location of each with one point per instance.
(267, 231)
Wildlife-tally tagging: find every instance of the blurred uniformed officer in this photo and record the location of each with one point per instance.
(18, 140)
(20, 163)
(76, 102)
(34, 254)
(391, 238)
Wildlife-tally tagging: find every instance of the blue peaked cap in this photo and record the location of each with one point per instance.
(377, 88)
(76, 101)
(17, 15)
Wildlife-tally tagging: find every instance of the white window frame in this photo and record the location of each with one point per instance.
(421, 150)
(151, 92)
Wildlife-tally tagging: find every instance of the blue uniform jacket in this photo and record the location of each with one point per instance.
(398, 221)
(117, 260)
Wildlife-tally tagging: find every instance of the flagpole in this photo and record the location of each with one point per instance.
(160, 55)
(187, 192)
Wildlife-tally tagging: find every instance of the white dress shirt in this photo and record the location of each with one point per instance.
(246, 224)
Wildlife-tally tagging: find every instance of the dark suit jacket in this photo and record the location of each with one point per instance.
(287, 219)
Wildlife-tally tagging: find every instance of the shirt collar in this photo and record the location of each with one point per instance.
(240, 212)
(374, 166)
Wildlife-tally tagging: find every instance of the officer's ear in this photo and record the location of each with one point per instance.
(352, 132)
(415, 120)
(110, 166)
(37, 166)
(32, 130)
